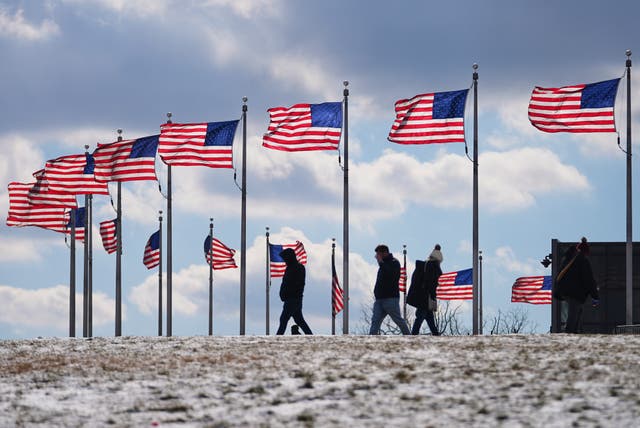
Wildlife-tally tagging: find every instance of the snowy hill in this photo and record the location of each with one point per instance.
(536, 380)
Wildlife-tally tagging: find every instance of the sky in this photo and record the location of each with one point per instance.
(75, 71)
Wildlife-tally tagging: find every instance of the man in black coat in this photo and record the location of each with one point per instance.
(423, 287)
(575, 283)
(291, 292)
(387, 292)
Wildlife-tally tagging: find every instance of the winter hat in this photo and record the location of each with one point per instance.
(583, 247)
(436, 254)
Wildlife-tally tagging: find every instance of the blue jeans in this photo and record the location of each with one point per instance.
(421, 315)
(292, 308)
(384, 307)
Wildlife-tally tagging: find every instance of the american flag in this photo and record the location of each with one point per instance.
(219, 254)
(577, 108)
(430, 118)
(108, 234)
(73, 174)
(304, 127)
(337, 300)
(402, 284)
(198, 144)
(277, 266)
(127, 160)
(532, 289)
(79, 217)
(22, 213)
(151, 257)
(456, 285)
(41, 196)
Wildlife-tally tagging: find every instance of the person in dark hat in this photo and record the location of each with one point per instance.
(291, 292)
(422, 292)
(575, 283)
(387, 292)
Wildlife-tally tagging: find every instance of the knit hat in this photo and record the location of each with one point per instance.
(436, 254)
(583, 247)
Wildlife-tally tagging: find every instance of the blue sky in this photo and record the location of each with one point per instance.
(75, 71)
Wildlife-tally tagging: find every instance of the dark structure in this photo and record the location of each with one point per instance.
(609, 268)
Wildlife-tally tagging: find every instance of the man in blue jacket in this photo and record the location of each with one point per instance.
(387, 292)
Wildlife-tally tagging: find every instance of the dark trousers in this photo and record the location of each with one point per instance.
(421, 315)
(574, 317)
(292, 308)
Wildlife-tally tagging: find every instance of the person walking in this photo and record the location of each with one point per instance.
(575, 283)
(386, 292)
(422, 292)
(291, 292)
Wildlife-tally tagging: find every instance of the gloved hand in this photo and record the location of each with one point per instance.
(595, 302)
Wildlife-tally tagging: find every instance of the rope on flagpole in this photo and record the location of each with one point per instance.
(235, 168)
(466, 147)
(618, 132)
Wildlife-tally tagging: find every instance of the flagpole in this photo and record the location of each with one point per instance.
(88, 233)
(85, 279)
(480, 293)
(72, 276)
(160, 274)
(404, 302)
(267, 285)
(345, 208)
(629, 246)
(210, 276)
(169, 249)
(476, 290)
(243, 222)
(333, 264)
(119, 255)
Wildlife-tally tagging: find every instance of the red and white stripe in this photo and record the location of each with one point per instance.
(290, 130)
(402, 283)
(114, 163)
(415, 124)
(41, 196)
(337, 294)
(151, 257)
(184, 145)
(447, 290)
(66, 174)
(22, 213)
(108, 234)
(221, 256)
(558, 110)
(529, 290)
(277, 268)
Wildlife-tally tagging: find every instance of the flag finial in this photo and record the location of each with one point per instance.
(475, 65)
(628, 52)
(169, 117)
(245, 99)
(119, 131)
(160, 215)
(86, 148)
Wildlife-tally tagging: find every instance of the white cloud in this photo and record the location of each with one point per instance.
(505, 258)
(49, 307)
(141, 8)
(16, 26)
(14, 249)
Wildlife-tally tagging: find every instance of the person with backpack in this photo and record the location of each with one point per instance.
(422, 291)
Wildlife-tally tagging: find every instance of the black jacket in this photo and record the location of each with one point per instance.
(388, 278)
(578, 281)
(424, 282)
(294, 276)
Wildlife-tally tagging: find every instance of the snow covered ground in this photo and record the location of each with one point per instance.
(533, 380)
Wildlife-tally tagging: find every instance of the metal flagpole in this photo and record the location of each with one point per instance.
(475, 199)
(404, 304)
(160, 275)
(345, 219)
(333, 264)
(480, 294)
(119, 255)
(88, 233)
(210, 276)
(85, 279)
(267, 285)
(169, 249)
(72, 276)
(629, 246)
(243, 222)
